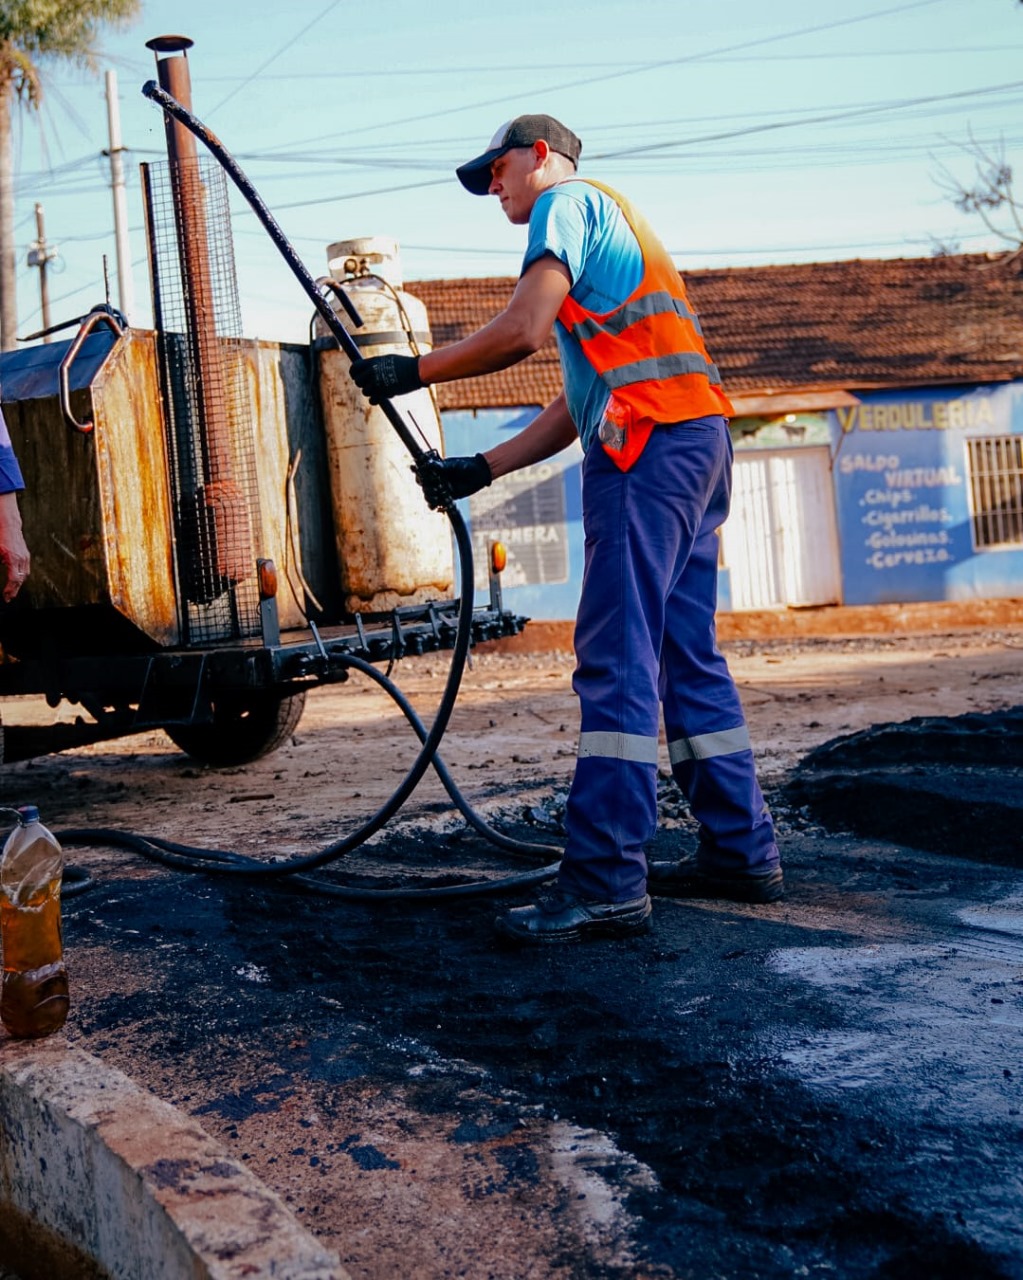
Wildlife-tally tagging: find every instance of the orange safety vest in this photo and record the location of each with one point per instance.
(649, 351)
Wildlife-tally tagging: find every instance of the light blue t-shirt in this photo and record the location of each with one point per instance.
(585, 229)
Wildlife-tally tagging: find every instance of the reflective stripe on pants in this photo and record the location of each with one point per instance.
(645, 636)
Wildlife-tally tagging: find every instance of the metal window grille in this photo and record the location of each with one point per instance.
(210, 437)
(995, 465)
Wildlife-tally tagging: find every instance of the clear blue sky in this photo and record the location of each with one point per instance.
(749, 133)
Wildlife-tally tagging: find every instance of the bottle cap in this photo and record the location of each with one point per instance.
(28, 813)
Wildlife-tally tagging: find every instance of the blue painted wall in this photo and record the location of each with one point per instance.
(902, 493)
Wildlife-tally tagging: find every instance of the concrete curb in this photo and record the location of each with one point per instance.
(99, 1178)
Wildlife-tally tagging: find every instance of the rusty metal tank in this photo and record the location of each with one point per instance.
(86, 422)
(392, 549)
(89, 426)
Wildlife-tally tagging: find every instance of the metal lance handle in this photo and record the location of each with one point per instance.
(174, 109)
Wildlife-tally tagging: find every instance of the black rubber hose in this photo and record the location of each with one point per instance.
(74, 880)
(182, 857)
(223, 862)
(220, 862)
(474, 820)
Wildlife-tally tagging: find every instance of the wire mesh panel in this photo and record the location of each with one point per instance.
(210, 418)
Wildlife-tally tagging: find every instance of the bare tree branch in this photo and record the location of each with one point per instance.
(991, 196)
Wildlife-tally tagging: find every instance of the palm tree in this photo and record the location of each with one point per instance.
(33, 32)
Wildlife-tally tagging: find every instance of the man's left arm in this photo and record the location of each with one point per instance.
(443, 478)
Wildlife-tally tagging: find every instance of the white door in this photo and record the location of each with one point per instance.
(780, 542)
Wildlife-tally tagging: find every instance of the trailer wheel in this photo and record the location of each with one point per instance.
(242, 730)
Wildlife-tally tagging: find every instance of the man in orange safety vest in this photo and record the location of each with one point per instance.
(645, 399)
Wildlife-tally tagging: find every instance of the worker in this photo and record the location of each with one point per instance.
(14, 557)
(643, 396)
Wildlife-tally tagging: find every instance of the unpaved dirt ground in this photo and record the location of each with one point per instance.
(830, 1086)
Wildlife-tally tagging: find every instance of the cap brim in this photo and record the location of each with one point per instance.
(474, 175)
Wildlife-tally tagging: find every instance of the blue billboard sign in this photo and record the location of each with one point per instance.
(906, 494)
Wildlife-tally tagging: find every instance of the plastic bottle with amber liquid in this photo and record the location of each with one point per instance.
(34, 1000)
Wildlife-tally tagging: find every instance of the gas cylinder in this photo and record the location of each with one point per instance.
(393, 550)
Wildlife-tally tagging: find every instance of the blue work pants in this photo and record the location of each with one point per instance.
(645, 638)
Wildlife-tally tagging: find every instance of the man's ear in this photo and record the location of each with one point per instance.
(541, 150)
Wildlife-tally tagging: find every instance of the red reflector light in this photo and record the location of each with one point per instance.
(498, 556)
(266, 574)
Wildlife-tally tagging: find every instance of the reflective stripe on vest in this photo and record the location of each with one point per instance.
(619, 746)
(659, 368)
(649, 351)
(705, 746)
(651, 304)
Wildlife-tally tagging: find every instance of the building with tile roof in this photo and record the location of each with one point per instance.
(803, 332)
(878, 428)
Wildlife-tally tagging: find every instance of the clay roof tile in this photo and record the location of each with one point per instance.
(853, 325)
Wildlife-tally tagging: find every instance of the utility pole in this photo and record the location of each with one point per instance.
(8, 253)
(125, 291)
(39, 254)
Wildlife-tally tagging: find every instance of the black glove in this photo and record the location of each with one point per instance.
(385, 377)
(445, 478)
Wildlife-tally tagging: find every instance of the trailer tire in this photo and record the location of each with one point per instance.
(242, 729)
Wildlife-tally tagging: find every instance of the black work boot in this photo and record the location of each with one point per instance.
(565, 917)
(686, 879)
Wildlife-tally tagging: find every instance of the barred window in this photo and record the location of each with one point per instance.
(995, 466)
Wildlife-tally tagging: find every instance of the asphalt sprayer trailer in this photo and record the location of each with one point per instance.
(218, 524)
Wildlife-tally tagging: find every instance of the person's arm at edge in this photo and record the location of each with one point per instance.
(520, 329)
(14, 556)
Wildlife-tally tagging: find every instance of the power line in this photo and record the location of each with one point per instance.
(365, 73)
(445, 71)
(630, 152)
(358, 195)
(95, 282)
(840, 55)
(371, 158)
(626, 71)
(274, 56)
(851, 151)
(743, 251)
(98, 235)
(789, 124)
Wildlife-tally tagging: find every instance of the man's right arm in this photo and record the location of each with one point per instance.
(521, 328)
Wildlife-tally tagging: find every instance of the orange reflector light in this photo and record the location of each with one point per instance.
(266, 573)
(498, 556)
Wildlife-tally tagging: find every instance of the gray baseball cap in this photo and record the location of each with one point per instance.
(523, 131)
